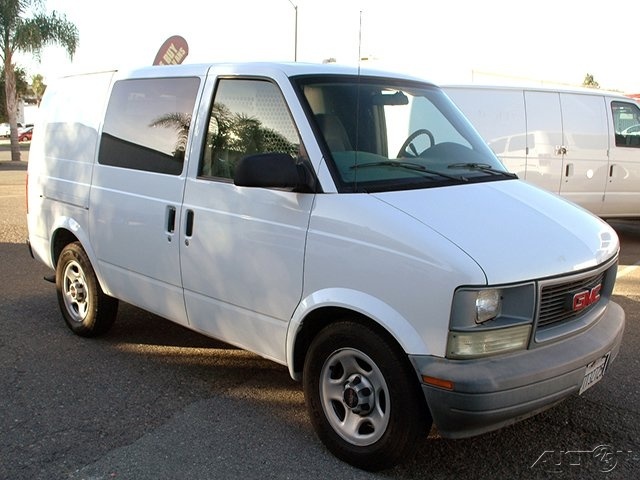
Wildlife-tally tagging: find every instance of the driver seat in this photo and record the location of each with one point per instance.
(334, 132)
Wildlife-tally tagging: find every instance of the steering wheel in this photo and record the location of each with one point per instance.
(408, 143)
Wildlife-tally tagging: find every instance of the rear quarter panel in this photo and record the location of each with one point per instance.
(62, 156)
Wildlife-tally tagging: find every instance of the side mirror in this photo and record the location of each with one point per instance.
(274, 170)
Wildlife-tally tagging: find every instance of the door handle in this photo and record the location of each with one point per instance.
(568, 170)
(188, 231)
(171, 218)
(188, 227)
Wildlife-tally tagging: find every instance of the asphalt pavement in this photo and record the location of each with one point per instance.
(152, 400)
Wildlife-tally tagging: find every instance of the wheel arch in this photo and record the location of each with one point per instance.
(314, 314)
(69, 231)
(60, 239)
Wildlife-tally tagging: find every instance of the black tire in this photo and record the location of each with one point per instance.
(87, 310)
(363, 397)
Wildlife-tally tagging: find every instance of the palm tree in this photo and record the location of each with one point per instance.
(19, 33)
(180, 122)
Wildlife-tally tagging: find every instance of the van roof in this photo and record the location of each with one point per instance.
(540, 88)
(260, 68)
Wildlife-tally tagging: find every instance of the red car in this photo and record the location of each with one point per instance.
(25, 135)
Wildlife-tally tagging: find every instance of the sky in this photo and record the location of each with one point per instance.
(444, 41)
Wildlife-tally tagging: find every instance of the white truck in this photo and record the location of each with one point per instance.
(583, 144)
(351, 225)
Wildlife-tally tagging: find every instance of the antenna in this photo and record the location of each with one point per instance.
(360, 43)
(295, 35)
(355, 177)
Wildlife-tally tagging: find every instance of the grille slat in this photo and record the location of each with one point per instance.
(555, 302)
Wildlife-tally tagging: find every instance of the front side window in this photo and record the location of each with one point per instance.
(626, 122)
(384, 134)
(147, 124)
(248, 117)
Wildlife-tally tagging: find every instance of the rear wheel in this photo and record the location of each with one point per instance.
(87, 310)
(363, 398)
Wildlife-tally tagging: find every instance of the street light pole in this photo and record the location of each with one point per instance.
(295, 38)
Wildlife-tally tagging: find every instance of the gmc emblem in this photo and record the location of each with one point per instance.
(584, 299)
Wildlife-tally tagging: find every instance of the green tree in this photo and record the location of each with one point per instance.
(26, 27)
(38, 87)
(22, 89)
(590, 82)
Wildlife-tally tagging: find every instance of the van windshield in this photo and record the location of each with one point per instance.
(383, 135)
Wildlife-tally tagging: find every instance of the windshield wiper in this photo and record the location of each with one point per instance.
(485, 167)
(409, 166)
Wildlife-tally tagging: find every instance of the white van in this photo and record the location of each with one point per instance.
(5, 129)
(583, 144)
(350, 225)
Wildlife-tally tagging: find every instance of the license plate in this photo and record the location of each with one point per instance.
(595, 372)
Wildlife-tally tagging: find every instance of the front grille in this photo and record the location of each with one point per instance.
(556, 304)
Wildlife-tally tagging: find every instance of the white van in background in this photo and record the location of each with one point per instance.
(348, 224)
(583, 144)
(5, 129)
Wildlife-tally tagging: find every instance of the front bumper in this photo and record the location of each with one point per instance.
(493, 392)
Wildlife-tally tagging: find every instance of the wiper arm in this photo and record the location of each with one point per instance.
(409, 166)
(485, 167)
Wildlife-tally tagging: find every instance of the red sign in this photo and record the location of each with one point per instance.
(172, 52)
(588, 297)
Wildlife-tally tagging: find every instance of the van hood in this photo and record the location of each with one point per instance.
(513, 230)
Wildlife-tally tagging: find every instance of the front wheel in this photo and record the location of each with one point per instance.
(87, 310)
(363, 398)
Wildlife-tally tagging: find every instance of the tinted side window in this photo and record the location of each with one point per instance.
(626, 122)
(248, 117)
(147, 124)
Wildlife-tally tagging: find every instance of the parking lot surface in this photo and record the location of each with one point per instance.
(152, 400)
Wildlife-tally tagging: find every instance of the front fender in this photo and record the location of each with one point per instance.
(362, 303)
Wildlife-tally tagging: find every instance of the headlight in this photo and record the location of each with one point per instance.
(482, 343)
(488, 303)
(490, 320)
